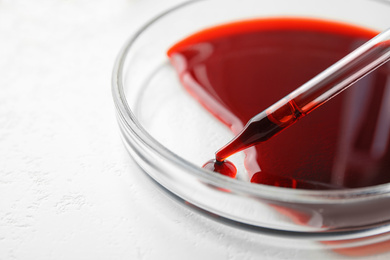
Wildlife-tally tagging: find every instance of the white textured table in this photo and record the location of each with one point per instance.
(68, 189)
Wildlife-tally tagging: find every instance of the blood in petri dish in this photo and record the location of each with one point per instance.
(225, 167)
(237, 70)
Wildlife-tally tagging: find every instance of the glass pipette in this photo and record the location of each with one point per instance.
(311, 95)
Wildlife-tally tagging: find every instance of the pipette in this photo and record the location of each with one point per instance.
(311, 95)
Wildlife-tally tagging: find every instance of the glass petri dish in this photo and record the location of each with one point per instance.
(170, 135)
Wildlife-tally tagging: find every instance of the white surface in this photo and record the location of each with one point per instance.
(68, 189)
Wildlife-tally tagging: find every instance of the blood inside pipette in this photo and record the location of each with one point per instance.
(261, 128)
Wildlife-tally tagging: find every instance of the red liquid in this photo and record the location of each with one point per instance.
(238, 70)
(225, 168)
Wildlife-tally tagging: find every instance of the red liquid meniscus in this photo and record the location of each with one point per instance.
(239, 69)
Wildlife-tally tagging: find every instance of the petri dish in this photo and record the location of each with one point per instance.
(170, 135)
